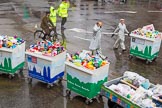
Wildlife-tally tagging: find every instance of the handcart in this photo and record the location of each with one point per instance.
(84, 82)
(145, 43)
(113, 96)
(12, 60)
(144, 48)
(47, 69)
(134, 101)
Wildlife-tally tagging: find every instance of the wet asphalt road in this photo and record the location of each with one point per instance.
(18, 17)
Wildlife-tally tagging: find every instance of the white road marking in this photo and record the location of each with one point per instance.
(154, 11)
(105, 33)
(79, 30)
(84, 31)
(82, 38)
(131, 12)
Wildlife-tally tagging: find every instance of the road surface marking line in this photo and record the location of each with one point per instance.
(132, 12)
(154, 11)
(84, 31)
(82, 38)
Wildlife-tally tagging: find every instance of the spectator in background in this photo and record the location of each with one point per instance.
(63, 12)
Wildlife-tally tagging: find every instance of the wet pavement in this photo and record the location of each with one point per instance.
(19, 17)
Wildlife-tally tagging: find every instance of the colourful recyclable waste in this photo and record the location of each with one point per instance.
(133, 90)
(85, 59)
(148, 32)
(46, 48)
(10, 42)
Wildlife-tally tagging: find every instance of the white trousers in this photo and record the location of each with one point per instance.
(119, 42)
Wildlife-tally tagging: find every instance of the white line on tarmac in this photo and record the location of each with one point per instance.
(131, 12)
(79, 30)
(108, 33)
(84, 31)
(154, 11)
(82, 38)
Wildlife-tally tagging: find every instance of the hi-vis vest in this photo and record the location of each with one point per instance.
(53, 16)
(63, 9)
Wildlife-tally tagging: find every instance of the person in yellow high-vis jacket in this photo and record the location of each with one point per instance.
(53, 19)
(63, 12)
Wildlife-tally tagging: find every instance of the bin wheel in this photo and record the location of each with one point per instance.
(68, 92)
(49, 86)
(11, 76)
(130, 57)
(110, 103)
(29, 80)
(87, 101)
(71, 97)
(155, 59)
(148, 62)
(60, 80)
(97, 98)
(21, 70)
(116, 106)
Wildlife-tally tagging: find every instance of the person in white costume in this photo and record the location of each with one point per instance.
(95, 44)
(121, 35)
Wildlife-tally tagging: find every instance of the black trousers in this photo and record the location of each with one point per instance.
(64, 19)
(48, 31)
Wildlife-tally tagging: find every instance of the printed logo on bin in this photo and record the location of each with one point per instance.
(32, 59)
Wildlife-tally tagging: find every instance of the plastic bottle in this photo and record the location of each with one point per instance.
(52, 53)
(62, 49)
(39, 46)
(68, 56)
(45, 46)
(96, 59)
(42, 44)
(1, 43)
(13, 46)
(88, 57)
(58, 50)
(4, 43)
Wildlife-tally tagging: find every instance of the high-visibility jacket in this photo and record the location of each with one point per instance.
(63, 9)
(53, 16)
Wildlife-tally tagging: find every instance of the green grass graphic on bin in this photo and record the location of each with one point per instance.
(7, 64)
(89, 90)
(144, 54)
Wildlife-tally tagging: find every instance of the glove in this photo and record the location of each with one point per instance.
(112, 35)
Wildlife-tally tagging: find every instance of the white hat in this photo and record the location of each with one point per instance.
(122, 19)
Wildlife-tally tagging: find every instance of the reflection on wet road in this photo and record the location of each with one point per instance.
(18, 17)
